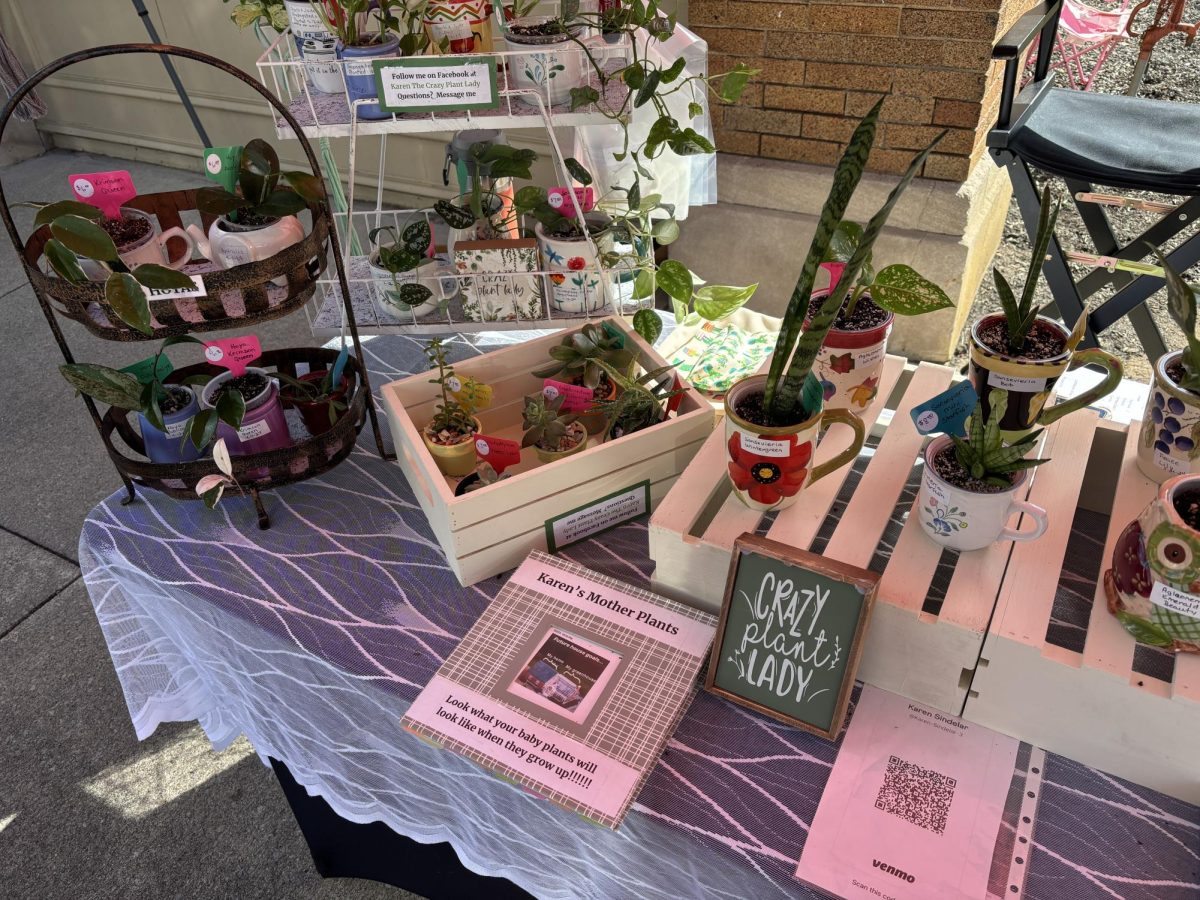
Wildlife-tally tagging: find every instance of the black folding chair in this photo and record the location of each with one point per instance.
(1127, 143)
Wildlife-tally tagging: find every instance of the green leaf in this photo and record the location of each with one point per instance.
(733, 84)
(900, 289)
(259, 170)
(63, 262)
(1181, 297)
(52, 211)
(417, 237)
(568, 10)
(530, 197)
(152, 275)
(649, 86)
(643, 284)
(665, 231)
(690, 142)
(454, 216)
(695, 109)
(577, 171)
(634, 75)
(107, 385)
(674, 278)
(281, 203)
(844, 242)
(412, 294)
(231, 408)
(128, 301)
(681, 312)
(1047, 218)
(307, 185)
(218, 202)
(583, 96)
(647, 323)
(673, 71)
(150, 408)
(1008, 302)
(812, 397)
(203, 427)
(84, 237)
(212, 496)
(1144, 630)
(716, 301)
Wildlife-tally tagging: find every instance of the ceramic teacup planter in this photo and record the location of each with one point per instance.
(1170, 439)
(249, 239)
(548, 63)
(139, 241)
(851, 359)
(769, 466)
(576, 282)
(264, 426)
(1153, 587)
(172, 444)
(964, 513)
(427, 274)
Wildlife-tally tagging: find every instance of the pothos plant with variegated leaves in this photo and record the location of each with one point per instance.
(212, 487)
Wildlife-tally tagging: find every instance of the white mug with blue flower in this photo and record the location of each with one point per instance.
(971, 520)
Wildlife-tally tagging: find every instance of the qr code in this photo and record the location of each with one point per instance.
(917, 795)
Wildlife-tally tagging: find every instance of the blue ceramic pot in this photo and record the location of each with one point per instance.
(360, 74)
(172, 445)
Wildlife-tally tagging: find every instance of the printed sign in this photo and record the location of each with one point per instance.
(947, 412)
(790, 634)
(196, 290)
(500, 452)
(107, 191)
(576, 397)
(598, 516)
(501, 286)
(435, 85)
(560, 198)
(144, 372)
(233, 353)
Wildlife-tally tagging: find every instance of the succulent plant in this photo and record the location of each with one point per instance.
(642, 402)
(544, 424)
(1181, 304)
(487, 475)
(580, 353)
(1020, 315)
(456, 413)
(984, 455)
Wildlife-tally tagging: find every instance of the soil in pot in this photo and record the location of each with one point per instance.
(946, 465)
(749, 406)
(1187, 504)
(867, 315)
(575, 434)
(602, 391)
(445, 438)
(248, 222)
(537, 30)
(1176, 373)
(567, 229)
(248, 384)
(126, 230)
(176, 398)
(1044, 341)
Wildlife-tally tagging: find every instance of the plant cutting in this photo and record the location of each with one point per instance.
(212, 487)
(550, 433)
(449, 435)
(260, 220)
(405, 275)
(320, 397)
(577, 360)
(484, 212)
(642, 402)
(1024, 353)
(1170, 433)
(772, 421)
(851, 358)
(263, 426)
(969, 486)
(485, 475)
(1153, 585)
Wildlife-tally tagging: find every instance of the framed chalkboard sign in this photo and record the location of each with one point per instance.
(790, 634)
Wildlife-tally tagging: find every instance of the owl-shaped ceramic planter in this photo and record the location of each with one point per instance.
(1153, 587)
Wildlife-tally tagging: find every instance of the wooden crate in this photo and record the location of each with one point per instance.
(492, 529)
(1090, 691)
(921, 649)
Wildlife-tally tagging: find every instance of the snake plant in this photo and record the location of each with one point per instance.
(1019, 315)
(984, 454)
(1181, 304)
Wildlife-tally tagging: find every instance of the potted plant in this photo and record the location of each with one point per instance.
(485, 474)
(851, 359)
(263, 427)
(543, 67)
(969, 486)
(406, 278)
(577, 360)
(576, 279)
(260, 220)
(641, 402)
(361, 40)
(483, 212)
(1024, 353)
(551, 434)
(1153, 586)
(772, 421)
(319, 397)
(450, 434)
(1171, 422)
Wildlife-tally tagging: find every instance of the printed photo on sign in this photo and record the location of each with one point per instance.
(565, 675)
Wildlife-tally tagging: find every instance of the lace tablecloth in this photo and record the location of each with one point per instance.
(313, 637)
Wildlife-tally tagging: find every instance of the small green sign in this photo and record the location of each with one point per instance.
(436, 84)
(598, 516)
(790, 634)
(143, 370)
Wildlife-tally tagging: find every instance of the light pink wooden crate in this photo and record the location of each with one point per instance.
(1097, 704)
(927, 656)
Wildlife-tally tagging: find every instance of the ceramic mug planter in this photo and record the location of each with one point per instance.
(229, 244)
(769, 466)
(1029, 382)
(1153, 587)
(970, 520)
(466, 24)
(576, 282)
(428, 273)
(173, 445)
(360, 74)
(549, 456)
(543, 67)
(150, 248)
(1170, 440)
(849, 363)
(455, 460)
(264, 426)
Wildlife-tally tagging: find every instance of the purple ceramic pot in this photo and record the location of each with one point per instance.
(264, 426)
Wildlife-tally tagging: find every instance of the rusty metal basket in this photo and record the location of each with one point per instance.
(243, 295)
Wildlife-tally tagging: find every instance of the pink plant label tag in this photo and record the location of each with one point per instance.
(560, 198)
(105, 190)
(673, 403)
(233, 353)
(577, 397)
(500, 452)
(834, 270)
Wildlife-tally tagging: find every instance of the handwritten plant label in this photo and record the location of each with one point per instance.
(600, 515)
(435, 85)
(560, 198)
(947, 412)
(221, 164)
(576, 397)
(500, 452)
(233, 353)
(107, 191)
(790, 634)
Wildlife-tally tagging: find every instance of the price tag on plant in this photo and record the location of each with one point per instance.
(107, 191)
(560, 198)
(233, 353)
(577, 397)
(500, 452)
(144, 372)
(221, 165)
(947, 412)
(673, 403)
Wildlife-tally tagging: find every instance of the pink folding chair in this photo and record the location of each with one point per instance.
(1086, 36)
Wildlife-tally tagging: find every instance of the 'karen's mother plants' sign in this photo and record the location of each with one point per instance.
(790, 634)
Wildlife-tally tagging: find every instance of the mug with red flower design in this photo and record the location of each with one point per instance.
(576, 282)
(769, 466)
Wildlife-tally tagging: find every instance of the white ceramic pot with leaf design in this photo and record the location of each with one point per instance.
(543, 67)
(1169, 443)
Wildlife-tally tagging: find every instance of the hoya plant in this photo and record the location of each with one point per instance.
(1020, 315)
(460, 398)
(793, 393)
(1181, 304)
(983, 453)
(260, 197)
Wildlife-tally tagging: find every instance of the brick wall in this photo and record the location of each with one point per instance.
(823, 64)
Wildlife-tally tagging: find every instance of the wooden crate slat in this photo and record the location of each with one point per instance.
(1187, 679)
(906, 579)
(862, 524)
(698, 489)
(971, 595)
